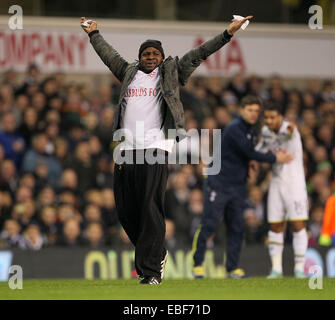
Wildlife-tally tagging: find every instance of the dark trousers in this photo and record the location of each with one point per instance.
(229, 203)
(139, 197)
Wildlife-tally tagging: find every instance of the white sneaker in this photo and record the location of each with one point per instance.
(299, 275)
(275, 275)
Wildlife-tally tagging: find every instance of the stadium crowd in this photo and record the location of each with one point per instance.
(56, 163)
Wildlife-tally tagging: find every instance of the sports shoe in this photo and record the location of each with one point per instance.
(299, 274)
(275, 275)
(151, 280)
(198, 272)
(163, 263)
(236, 274)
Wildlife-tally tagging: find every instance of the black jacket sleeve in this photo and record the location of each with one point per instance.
(240, 143)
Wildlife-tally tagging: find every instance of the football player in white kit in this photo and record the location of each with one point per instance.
(287, 198)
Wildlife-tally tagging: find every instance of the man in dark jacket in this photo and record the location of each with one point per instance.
(149, 97)
(225, 194)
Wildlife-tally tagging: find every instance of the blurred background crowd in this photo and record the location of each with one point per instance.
(56, 163)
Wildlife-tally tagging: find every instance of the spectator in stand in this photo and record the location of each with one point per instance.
(255, 87)
(68, 197)
(92, 213)
(10, 77)
(11, 141)
(94, 196)
(315, 225)
(5, 207)
(66, 212)
(238, 86)
(84, 166)
(69, 180)
(49, 226)
(62, 152)
(91, 122)
(104, 130)
(2, 153)
(94, 235)
(27, 180)
(21, 104)
(29, 126)
(38, 155)
(46, 197)
(25, 213)
(11, 233)
(8, 176)
(71, 236)
(32, 238)
(328, 92)
(109, 215)
(176, 202)
(50, 88)
(95, 148)
(222, 116)
(7, 101)
(104, 176)
(73, 110)
(39, 103)
(32, 78)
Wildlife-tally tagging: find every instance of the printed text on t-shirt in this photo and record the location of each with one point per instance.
(141, 92)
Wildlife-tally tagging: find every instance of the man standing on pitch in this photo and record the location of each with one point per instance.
(149, 95)
(225, 194)
(287, 199)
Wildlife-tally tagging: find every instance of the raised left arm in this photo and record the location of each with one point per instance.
(192, 59)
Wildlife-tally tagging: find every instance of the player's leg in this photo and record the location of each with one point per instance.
(214, 203)
(297, 212)
(300, 244)
(276, 218)
(276, 246)
(150, 250)
(234, 219)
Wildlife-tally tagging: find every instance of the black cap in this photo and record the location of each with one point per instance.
(151, 43)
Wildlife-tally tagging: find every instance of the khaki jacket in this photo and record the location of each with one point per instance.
(173, 72)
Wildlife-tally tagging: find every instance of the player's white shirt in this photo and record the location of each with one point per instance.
(287, 194)
(291, 173)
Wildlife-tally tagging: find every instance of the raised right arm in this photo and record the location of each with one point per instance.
(110, 57)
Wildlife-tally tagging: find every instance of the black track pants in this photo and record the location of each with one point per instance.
(139, 196)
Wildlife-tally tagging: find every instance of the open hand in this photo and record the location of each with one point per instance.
(236, 25)
(92, 25)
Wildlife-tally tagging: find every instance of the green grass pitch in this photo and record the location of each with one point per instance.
(206, 289)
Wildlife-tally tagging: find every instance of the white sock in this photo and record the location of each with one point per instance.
(300, 244)
(276, 245)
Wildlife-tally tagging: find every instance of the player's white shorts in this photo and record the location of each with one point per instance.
(286, 203)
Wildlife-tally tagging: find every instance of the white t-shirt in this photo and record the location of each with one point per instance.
(291, 173)
(141, 114)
